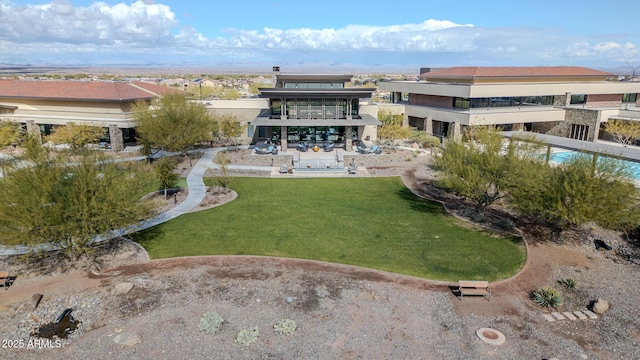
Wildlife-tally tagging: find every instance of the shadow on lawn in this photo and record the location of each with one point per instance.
(419, 204)
(146, 237)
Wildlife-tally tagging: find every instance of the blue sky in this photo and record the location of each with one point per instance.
(323, 34)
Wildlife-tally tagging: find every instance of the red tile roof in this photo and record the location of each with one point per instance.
(81, 90)
(533, 71)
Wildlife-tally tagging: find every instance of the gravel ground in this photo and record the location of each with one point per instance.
(341, 312)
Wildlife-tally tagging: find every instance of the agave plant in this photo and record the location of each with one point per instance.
(547, 297)
(569, 283)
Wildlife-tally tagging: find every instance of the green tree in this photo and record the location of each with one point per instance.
(10, 133)
(229, 94)
(227, 128)
(423, 139)
(482, 168)
(172, 123)
(70, 203)
(623, 132)
(579, 191)
(76, 136)
(391, 128)
(164, 170)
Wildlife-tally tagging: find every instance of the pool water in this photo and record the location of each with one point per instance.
(632, 167)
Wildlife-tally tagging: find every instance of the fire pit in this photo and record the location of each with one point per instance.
(491, 336)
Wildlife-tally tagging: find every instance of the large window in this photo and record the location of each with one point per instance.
(313, 85)
(629, 98)
(276, 107)
(461, 103)
(505, 101)
(577, 99)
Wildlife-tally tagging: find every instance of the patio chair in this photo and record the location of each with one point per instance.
(5, 279)
(303, 147)
(284, 168)
(353, 168)
(328, 147)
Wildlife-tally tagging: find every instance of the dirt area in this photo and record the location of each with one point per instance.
(341, 312)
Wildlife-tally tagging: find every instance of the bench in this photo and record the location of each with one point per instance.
(5, 279)
(474, 287)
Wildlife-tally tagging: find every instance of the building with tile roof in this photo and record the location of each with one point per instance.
(567, 101)
(41, 105)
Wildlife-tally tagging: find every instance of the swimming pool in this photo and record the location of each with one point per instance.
(632, 167)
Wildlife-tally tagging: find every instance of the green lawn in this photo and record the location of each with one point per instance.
(372, 222)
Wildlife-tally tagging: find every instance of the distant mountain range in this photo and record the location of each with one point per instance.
(12, 68)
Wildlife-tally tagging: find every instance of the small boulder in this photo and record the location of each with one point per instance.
(123, 288)
(600, 306)
(127, 339)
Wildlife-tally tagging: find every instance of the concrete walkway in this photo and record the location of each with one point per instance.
(197, 193)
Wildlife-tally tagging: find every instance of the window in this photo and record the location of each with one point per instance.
(579, 132)
(276, 107)
(461, 103)
(629, 98)
(578, 99)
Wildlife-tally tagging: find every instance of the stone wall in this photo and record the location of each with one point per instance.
(587, 117)
(556, 128)
(560, 100)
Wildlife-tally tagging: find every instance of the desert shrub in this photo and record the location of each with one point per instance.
(506, 224)
(569, 283)
(210, 322)
(547, 297)
(247, 336)
(285, 327)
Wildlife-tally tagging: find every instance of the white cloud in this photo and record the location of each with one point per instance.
(98, 23)
(146, 30)
(430, 35)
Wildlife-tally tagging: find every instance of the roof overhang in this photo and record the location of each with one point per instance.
(365, 119)
(316, 77)
(316, 93)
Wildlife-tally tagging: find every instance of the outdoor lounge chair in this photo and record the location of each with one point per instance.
(262, 150)
(303, 147)
(328, 147)
(5, 279)
(284, 168)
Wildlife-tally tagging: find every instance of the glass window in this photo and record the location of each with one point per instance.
(276, 107)
(354, 107)
(460, 103)
(479, 103)
(578, 99)
(629, 98)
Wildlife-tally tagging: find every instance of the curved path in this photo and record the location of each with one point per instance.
(197, 193)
